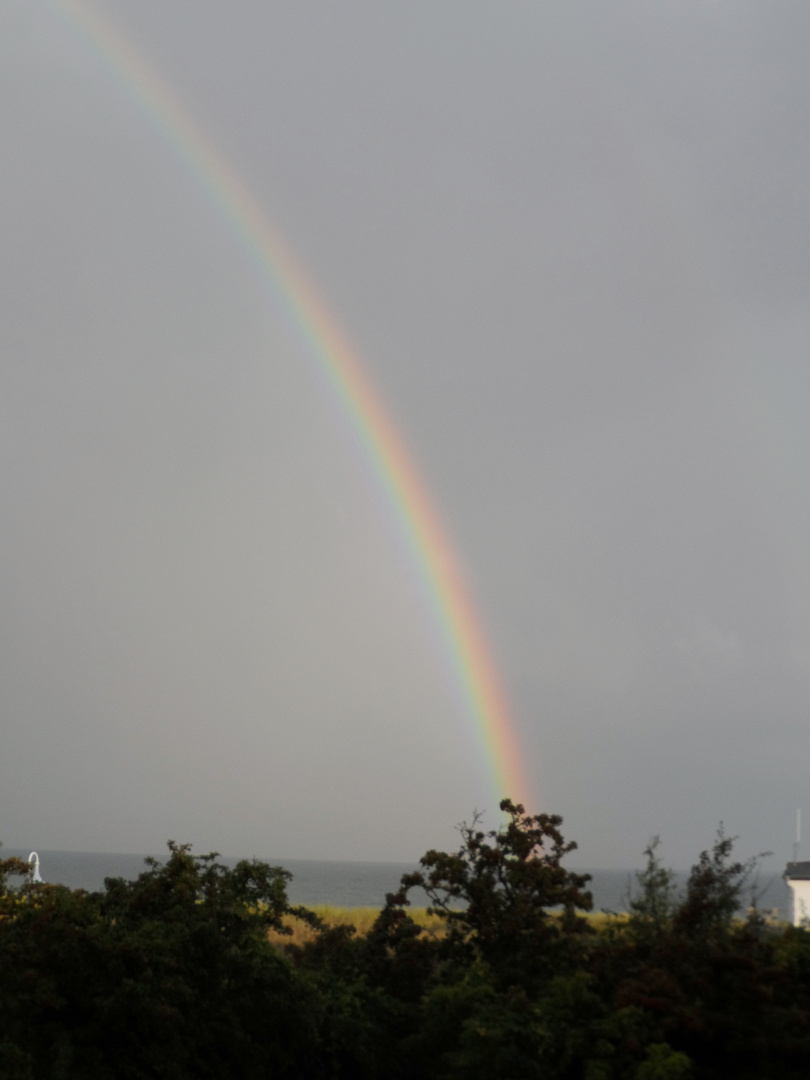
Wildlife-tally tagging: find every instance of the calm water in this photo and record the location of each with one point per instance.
(345, 884)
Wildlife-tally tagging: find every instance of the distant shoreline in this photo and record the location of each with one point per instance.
(344, 883)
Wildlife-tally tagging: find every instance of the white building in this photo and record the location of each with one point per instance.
(797, 876)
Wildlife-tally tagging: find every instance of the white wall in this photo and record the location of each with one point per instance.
(800, 901)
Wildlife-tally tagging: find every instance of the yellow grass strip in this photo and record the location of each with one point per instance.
(361, 918)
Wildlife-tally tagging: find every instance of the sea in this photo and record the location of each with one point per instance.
(357, 884)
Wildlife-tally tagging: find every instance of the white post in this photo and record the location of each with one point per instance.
(33, 867)
(798, 834)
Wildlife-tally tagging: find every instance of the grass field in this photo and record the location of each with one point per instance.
(361, 918)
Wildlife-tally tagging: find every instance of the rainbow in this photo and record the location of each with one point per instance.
(326, 345)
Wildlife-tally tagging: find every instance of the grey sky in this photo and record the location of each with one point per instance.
(571, 243)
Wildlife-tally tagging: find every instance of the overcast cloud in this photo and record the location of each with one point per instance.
(571, 244)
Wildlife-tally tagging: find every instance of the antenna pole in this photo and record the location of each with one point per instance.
(798, 834)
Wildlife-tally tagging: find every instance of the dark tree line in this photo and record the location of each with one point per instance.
(173, 975)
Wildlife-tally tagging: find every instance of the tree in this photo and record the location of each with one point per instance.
(11, 867)
(493, 986)
(505, 893)
(715, 887)
(702, 978)
(653, 903)
(169, 975)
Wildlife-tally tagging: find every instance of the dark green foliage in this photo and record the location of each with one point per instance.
(170, 975)
(483, 994)
(12, 867)
(714, 891)
(664, 1063)
(173, 975)
(653, 904)
(707, 981)
(507, 898)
